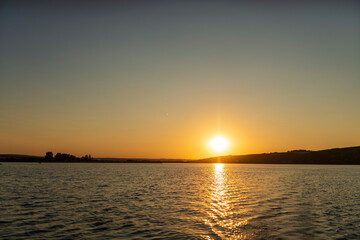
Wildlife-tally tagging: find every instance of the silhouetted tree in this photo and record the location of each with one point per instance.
(86, 157)
(49, 156)
(64, 157)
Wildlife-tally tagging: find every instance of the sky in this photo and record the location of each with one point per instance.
(158, 79)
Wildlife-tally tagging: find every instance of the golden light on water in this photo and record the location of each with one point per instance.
(219, 167)
(221, 212)
(219, 144)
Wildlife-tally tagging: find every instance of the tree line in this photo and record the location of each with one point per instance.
(65, 157)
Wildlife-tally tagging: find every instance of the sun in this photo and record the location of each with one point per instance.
(219, 144)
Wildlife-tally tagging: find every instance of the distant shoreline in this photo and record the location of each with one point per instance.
(335, 156)
(135, 162)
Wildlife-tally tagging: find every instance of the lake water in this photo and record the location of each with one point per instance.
(179, 201)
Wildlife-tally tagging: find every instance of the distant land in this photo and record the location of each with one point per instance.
(348, 156)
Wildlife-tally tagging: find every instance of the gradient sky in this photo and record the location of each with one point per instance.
(160, 78)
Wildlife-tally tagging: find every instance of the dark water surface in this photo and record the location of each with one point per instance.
(178, 201)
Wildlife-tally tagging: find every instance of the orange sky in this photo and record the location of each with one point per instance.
(159, 80)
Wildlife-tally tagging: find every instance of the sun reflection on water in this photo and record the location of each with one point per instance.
(219, 167)
(221, 219)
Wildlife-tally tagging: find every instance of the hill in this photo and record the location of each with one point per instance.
(349, 155)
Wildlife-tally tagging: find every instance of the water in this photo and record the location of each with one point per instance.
(179, 201)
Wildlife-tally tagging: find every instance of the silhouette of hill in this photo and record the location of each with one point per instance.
(349, 155)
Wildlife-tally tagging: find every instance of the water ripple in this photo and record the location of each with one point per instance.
(178, 201)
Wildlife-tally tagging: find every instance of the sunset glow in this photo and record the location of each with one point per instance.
(219, 144)
(179, 119)
(159, 79)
